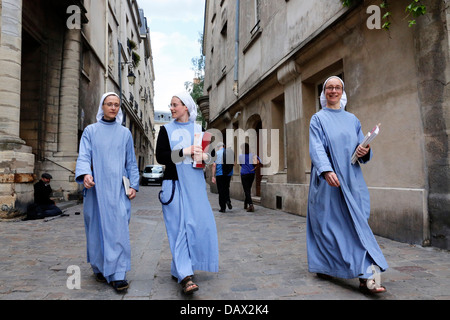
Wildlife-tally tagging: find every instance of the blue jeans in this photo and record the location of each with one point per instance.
(49, 210)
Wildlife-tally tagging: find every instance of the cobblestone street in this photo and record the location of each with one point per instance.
(262, 257)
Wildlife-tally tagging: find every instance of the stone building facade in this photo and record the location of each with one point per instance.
(57, 58)
(265, 64)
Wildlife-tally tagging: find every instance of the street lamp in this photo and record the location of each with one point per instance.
(131, 77)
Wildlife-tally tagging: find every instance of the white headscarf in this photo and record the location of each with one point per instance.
(100, 113)
(187, 100)
(323, 99)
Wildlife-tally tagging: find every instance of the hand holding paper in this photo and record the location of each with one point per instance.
(130, 192)
(367, 140)
(203, 140)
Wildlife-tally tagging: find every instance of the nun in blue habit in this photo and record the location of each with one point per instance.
(340, 242)
(106, 154)
(189, 220)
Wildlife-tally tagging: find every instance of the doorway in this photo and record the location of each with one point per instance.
(31, 105)
(255, 123)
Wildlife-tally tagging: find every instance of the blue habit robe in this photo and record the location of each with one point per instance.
(340, 242)
(190, 224)
(107, 153)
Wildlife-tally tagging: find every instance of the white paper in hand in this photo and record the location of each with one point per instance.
(367, 140)
(126, 184)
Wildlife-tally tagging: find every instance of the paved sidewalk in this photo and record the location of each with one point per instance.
(262, 257)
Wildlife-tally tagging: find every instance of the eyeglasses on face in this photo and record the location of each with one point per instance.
(331, 88)
(110, 104)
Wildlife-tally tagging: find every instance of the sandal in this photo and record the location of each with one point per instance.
(370, 286)
(189, 287)
(120, 286)
(99, 277)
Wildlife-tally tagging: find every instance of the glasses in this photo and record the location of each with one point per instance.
(331, 88)
(115, 105)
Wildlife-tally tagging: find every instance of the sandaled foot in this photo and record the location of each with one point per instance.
(370, 286)
(120, 286)
(99, 277)
(188, 286)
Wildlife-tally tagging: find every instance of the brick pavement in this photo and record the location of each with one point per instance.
(262, 257)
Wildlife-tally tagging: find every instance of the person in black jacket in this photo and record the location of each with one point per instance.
(189, 219)
(44, 206)
(222, 171)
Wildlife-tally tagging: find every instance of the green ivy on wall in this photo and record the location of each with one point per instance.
(414, 9)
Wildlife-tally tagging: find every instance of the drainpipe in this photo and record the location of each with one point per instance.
(106, 48)
(120, 71)
(236, 53)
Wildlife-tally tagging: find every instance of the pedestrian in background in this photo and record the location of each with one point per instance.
(340, 242)
(106, 155)
(43, 206)
(222, 171)
(249, 162)
(190, 225)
